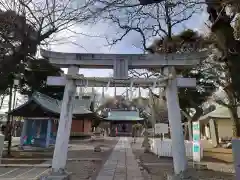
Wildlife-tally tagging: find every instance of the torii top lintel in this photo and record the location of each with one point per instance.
(133, 61)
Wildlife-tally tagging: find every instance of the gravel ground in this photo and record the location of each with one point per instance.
(82, 170)
(155, 168)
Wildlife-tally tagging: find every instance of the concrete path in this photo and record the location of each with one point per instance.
(121, 164)
(22, 173)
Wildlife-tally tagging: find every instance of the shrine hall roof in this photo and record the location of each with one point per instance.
(124, 116)
(81, 106)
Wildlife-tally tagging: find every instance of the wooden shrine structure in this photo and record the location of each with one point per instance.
(41, 114)
(122, 121)
(121, 63)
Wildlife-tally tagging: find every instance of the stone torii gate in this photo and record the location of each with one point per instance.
(121, 63)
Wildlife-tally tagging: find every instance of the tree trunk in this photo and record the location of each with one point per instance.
(188, 127)
(8, 133)
(186, 132)
(190, 131)
(235, 120)
(196, 116)
(1, 100)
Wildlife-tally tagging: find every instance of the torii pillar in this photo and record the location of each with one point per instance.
(120, 65)
(64, 128)
(174, 116)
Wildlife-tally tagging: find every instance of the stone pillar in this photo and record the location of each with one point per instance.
(48, 135)
(174, 116)
(63, 133)
(24, 132)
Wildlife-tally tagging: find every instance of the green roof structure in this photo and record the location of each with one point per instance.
(219, 112)
(123, 116)
(43, 104)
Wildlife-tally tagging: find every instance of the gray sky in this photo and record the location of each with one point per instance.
(94, 41)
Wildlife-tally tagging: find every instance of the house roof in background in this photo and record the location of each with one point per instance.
(219, 112)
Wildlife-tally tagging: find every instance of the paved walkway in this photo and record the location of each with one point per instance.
(121, 164)
(22, 173)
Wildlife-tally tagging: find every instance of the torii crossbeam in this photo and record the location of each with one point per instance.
(121, 63)
(110, 82)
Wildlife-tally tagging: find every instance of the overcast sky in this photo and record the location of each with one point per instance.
(92, 43)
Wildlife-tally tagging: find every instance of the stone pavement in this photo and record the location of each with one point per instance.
(121, 164)
(22, 173)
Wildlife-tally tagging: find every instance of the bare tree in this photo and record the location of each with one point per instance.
(153, 21)
(27, 24)
(45, 18)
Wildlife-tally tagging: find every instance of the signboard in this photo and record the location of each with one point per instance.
(161, 128)
(196, 137)
(196, 142)
(196, 152)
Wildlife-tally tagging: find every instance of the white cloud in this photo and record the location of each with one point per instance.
(92, 39)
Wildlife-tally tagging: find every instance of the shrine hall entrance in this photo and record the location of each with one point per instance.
(124, 128)
(122, 122)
